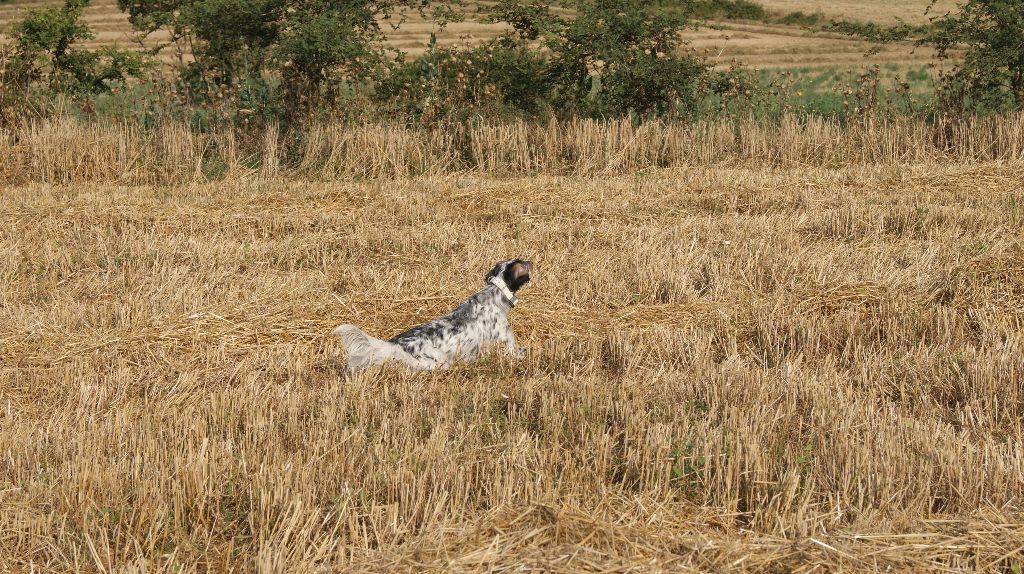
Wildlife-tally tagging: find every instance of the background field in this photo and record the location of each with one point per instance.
(757, 44)
(818, 66)
(815, 68)
(731, 367)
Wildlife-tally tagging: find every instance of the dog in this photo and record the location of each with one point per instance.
(478, 322)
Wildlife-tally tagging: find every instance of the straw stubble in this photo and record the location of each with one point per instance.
(729, 368)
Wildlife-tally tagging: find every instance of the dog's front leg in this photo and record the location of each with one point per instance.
(509, 340)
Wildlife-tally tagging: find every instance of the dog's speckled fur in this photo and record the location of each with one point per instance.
(478, 322)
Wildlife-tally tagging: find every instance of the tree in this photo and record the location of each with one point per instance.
(991, 74)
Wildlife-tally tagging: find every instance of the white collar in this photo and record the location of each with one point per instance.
(503, 288)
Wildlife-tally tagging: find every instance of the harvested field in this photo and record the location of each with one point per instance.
(778, 46)
(912, 11)
(736, 366)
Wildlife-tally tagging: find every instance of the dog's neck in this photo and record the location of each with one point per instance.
(503, 289)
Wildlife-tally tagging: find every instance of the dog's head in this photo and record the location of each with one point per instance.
(514, 272)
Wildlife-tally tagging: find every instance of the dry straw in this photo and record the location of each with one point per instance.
(63, 150)
(757, 367)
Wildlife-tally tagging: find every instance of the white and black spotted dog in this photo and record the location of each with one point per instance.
(479, 322)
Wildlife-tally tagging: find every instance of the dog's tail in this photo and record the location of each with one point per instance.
(363, 350)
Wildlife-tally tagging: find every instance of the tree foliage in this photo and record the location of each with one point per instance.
(46, 49)
(314, 48)
(991, 74)
(984, 42)
(270, 60)
(611, 57)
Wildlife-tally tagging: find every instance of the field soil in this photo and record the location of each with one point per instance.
(730, 368)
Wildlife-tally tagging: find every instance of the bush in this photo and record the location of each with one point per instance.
(45, 50)
(991, 75)
(313, 51)
(716, 9)
(875, 32)
(614, 58)
(500, 78)
(799, 18)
